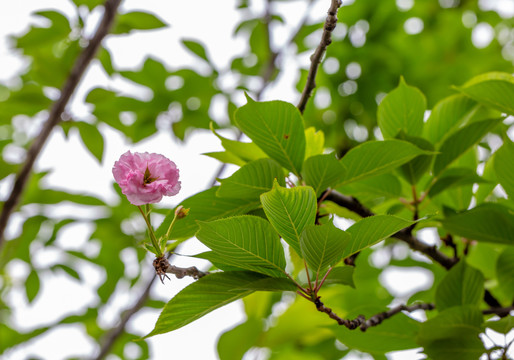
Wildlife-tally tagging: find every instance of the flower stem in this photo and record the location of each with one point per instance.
(150, 230)
(173, 222)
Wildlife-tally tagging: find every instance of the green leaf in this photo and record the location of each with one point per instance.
(136, 20)
(455, 177)
(447, 115)
(402, 110)
(234, 343)
(462, 285)
(377, 157)
(290, 211)
(253, 179)
(204, 206)
(504, 167)
(486, 222)
(203, 296)
(385, 185)
(92, 139)
(196, 48)
(314, 142)
(342, 275)
(493, 89)
(249, 242)
(417, 167)
(322, 172)
(277, 128)
(397, 333)
(245, 151)
(502, 326)
(323, 246)
(373, 229)
(456, 144)
(453, 334)
(505, 272)
(32, 285)
(225, 157)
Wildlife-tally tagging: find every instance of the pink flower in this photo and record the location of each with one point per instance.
(145, 178)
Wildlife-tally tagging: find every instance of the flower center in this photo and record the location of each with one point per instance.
(147, 179)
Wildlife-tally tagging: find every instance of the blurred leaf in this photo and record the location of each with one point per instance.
(323, 246)
(251, 180)
(402, 110)
(462, 285)
(202, 297)
(377, 157)
(370, 230)
(397, 333)
(196, 48)
(92, 139)
(277, 128)
(495, 89)
(322, 172)
(32, 285)
(504, 167)
(341, 275)
(502, 326)
(314, 142)
(11, 337)
(453, 334)
(248, 242)
(486, 222)
(456, 144)
(290, 211)
(505, 272)
(233, 344)
(417, 167)
(136, 20)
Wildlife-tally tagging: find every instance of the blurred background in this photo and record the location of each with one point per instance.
(71, 266)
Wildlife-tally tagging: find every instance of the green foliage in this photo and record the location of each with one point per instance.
(273, 226)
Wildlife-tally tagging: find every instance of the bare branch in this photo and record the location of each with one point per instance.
(81, 64)
(326, 39)
(163, 267)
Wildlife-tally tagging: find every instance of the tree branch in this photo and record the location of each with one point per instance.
(81, 64)
(326, 39)
(405, 235)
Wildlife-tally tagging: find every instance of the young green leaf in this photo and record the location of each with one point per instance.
(248, 242)
(196, 48)
(290, 211)
(371, 230)
(203, 296)
(323, 246)
(277, 128)
(32, 285)
(457, 144)
(204, 206)
(323, 171)
(377, 157)
(314, 142)
(493, 89)
(462, 285)
(245, 151)
(402, 110)
(487, 222)
(504, 167)
(447, 115)
(253, 179)
(136, 20)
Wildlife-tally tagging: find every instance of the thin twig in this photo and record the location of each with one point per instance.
(378, 318)
(81, 64)
(326, 39)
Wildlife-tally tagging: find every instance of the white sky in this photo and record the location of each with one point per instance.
(74, 169)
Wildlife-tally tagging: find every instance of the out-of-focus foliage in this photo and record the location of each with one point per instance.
(446, 140)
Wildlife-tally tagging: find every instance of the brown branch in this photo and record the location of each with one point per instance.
(56, 111)
(405, 235)
(326, 39)
(112, 335)
(500, 311)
